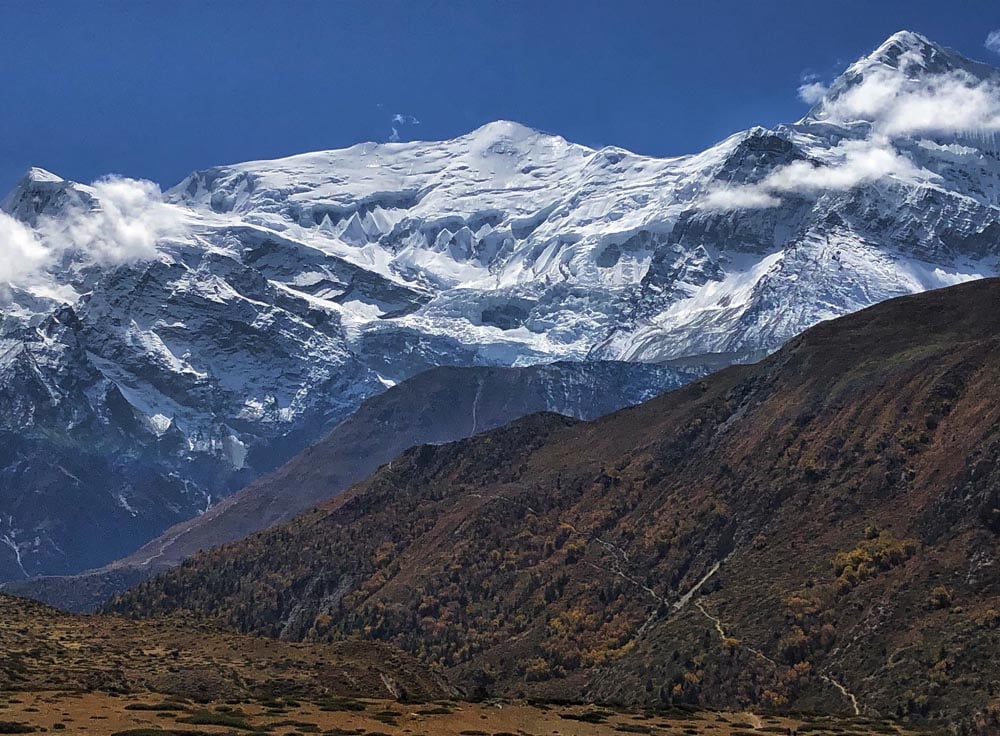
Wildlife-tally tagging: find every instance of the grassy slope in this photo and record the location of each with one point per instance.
(42, 649)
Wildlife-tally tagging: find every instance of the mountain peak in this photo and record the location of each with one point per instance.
(508, 131)
(36, 174)
(906, 56)
(903, 41)
(509, 128)
(916, 54)
(912, 50)
(41, 192)
(32, 179)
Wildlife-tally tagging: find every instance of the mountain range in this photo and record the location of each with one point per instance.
(815, 532)
(158, 352)
(438, 405)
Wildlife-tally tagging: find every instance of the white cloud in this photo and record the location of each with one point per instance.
(896, 102)
(857, 162)
(738, 198)
(22, 253)
(398, 121)
(126, 226)
(993, 41)
(127, 222)
(903, 101)
(812, 92)
(852, 163)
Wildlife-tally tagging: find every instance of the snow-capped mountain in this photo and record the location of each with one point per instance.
(184, 343)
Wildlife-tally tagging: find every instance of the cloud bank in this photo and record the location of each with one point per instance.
(901, 102)
(895, 102)
(852, 163)
(127, 221)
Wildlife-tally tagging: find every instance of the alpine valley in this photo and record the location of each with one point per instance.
(257, 306)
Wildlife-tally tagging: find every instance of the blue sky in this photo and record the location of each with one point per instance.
(155, 90)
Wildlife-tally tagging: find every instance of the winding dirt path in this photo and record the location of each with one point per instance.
(717, 622)
(845, 692)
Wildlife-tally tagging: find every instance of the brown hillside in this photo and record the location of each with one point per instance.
(43, 649)
(815, 531)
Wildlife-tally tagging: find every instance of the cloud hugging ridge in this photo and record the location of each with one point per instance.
(886, 104)
(123, 222)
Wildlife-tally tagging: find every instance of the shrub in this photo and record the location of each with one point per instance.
(210, 718)
(868, 559)
(156, 706)
(15, 727)
(940, 597)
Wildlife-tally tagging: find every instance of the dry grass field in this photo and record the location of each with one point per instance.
(148, 714)
(108, 676)
(44, 650)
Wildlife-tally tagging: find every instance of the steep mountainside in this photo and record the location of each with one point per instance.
(816, 531)
(439, 405)
(169, 349)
